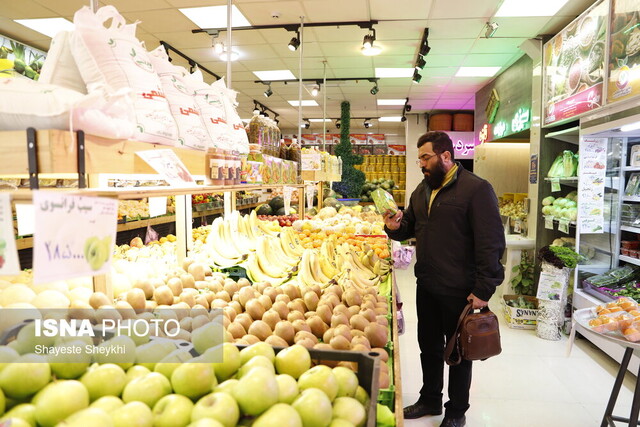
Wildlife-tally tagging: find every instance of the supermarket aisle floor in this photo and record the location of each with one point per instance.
(531, 384)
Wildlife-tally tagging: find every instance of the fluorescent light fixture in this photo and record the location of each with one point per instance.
(390, 119)
(47, 26)
(477, 71)
(534, 8)
(305, 103)
(234, 55)
(394, 72)
(630, 127)
(320, 120)
(274, 75)
(215, 16)
(391, 101)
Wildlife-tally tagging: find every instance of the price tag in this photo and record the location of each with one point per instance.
(517, 226)
(74, 235)
(169, 165)
(9, 262)
(25, 217)
(548, 222)
(310, 190)
(563, 225)
(555, 185)
(157, 206)
(287, 192)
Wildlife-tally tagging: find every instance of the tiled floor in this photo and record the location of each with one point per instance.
(533, 383)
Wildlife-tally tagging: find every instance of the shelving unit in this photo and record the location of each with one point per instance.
(570, 135)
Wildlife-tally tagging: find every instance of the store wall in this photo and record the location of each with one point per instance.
(505, 165)
(415, 126)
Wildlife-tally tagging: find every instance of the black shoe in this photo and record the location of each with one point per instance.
(420, 409)
(454, 422)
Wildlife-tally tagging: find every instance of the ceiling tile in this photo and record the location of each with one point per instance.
(464, 9)
(400, 30)
(338, 34)
(393, 61)
(261, 13)
(496, 45)
(336, 11)
(448, 29)
(449, 46)
(140, 5)
(27, 9)
(385, 9)
(429, 72)
(197, 3)
(450, 105)
(159, 20)
(443, 60)
(520, 26)
(487, 60)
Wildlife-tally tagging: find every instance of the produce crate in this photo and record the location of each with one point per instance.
(199, 207)
(520, 318)
(368, 372)
(598, 292)
(387, 396)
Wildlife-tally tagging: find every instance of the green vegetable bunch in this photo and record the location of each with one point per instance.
(352, 179)
(560, 256)
(520, 302)
(522, 283)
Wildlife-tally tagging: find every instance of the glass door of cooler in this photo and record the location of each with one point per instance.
(600, 190)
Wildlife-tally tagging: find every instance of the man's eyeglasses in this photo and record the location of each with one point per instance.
(424, 158)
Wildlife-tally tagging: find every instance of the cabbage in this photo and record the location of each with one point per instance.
(569, 164)
(555, 171)
(573, 214)
(572, 195)
(558, 202)
(546, 210)
(548, 200)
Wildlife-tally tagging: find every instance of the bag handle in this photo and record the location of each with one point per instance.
(109, 12)
(453, 341)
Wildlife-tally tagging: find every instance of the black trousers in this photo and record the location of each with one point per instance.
(437, 318)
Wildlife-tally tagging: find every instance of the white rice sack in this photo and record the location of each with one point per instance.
(181, 97)
(60, 66)
(113, 58)
(239, 139)
(109, 115)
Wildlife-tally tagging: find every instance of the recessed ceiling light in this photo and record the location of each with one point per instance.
(477, 71)
(394, 72)
(215, 16)
(274, 75)
(320, 120)
(234, 55)
(391, 101)
(390, 119)
(305, 103)
(47, 26)
(534, 8)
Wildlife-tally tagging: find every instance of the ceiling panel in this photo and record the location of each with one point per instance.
(496, 45)
(139, 5)
(405, 30)
(197, 3)
(452, 9)
(519, 26)
(487, 60)
(159, 20)
(444, 60)
(329, 10)
(449, 46)
(262, 13)
(448, 29)
(385, 9)
(27, 9)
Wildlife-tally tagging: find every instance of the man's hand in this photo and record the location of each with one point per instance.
(392, 221)
(477, 302)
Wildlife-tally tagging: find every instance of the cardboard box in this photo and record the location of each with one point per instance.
(520, 318)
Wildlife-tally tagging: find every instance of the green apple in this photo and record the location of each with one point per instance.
(23, 411)
(93, 417)
(218, 406)
(362, 396)
(226, 386)
(147, 389)
(259, 348)
(104, 380)
(347, 381)
(173, 410)
(25, 376)
(279, 415)
(134, 330)
(108, 403)
(206, 422)
(136, 371)
(314, 408)
(337, 422)
(59, 400)
(294, 361)
(26, 340)
(255, 361)
(133, 414)
(16, 422)
(193, 379)
(152, 352)
(287, 388)
(121, 351)
(73, 365)
(85, 339)
(3, 403)
(209, 335)
(257, 391)
(348, 408)
(230, 362)
(7, 355)
(322, 377)
(170, 362)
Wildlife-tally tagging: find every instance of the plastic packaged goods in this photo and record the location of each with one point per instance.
(384, 201)
(211, 107)
(255, 130)
(120, 65)
(239, 139)
(283, 150)
(215, 164)
(60, 67)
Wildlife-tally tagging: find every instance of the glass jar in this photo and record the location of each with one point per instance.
(215, 165)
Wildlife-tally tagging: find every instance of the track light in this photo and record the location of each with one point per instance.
(218, 46)
(403, 118)
(306, 124)
(374, 90)
(338, 124)
(315, 90)
(492, 27)
(425, 49)
(367, 124)
(420, 62)
(416, 77)
(294, 44)
(367, 43)
(368, 48)
(407, 108)
(268, 92)
(263, 113)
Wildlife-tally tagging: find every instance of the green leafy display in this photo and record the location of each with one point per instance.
(523, 282)
(352, 179)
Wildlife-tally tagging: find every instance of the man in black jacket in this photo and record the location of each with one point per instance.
(453, 214)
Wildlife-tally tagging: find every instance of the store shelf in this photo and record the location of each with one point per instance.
(631, 168)
(631, 199)
(571, 135)
(571, 181)
(630, 260)
(631, 229)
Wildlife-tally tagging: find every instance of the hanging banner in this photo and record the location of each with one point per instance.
(17, 59)
(624, 51)
(591, 188)
(574, 65)
(464, 144)
(9, 262)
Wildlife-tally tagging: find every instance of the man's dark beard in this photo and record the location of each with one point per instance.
(436, 175)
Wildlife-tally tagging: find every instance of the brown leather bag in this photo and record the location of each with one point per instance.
(477, 336)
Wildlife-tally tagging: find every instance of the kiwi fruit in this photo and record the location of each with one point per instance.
(285, 330)
(175, 284)
(203, 301)
(306, 342)
(357, 333)
(301, 325)
(185, 323)
(281, 308)
(361, 340)
(236, 330)
(271, 292)
(325, 313)
(339, 342)
(382, 354)
(251, 339)
(98, 299)
(254, 309)
(241, 341)
(292, 291)
(236, 306)
(243, 281)
(224, 295)
(276, 341)
(311, 300)
(369, 314)
(244, 319)
(260, 329)
(317, 289)
(309, 314)
(189, 298)
(265, 301)
(318, 327)
(297, 305)
(351, 297)
(231, 287)
(284, 298)
(328, 334)
(339, 319)
(245, 294)
(146, 287)
(359, 322)
(376, 334)
(359, 348)
(382, 320)
(305, 335)
(295, 315)
(271, 318)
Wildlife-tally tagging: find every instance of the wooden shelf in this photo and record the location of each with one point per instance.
(570, 135)
(24, 243)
